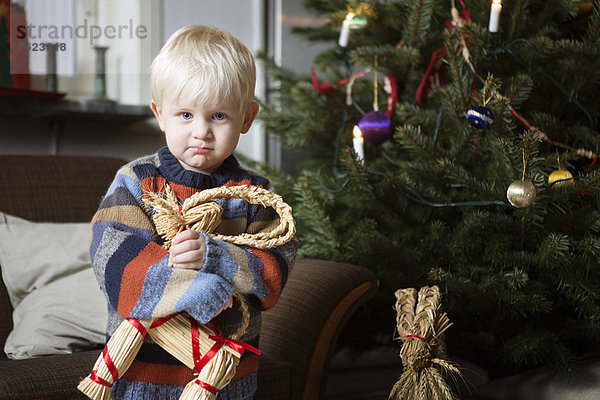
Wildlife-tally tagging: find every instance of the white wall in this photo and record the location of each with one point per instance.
(129, 59)
(127, 67)
(242, 18)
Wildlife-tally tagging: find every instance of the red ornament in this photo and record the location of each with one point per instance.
(435, 75)
(324, 87)
(390, 87)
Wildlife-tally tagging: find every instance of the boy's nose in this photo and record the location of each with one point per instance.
(201, 131)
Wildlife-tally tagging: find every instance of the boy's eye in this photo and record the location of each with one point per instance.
(219, 116)
(186, 115)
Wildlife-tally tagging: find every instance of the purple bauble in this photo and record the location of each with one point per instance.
(376, 127)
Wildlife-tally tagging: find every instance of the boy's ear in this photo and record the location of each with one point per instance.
(249, 116)
(158, 114)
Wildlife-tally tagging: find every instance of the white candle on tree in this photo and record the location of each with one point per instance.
(345, 31)
(358, 143)
(495, 16)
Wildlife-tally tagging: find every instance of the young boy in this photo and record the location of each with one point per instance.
(203, 98)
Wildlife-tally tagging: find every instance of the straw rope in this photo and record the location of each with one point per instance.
(202, 348)
(421, 325)
(200, 212)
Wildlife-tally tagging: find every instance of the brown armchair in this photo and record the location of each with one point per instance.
(298, 335)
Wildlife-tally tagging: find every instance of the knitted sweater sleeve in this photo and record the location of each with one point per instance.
(132, 268)
(252, 271)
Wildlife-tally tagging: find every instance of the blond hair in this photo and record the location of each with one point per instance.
(202, 63)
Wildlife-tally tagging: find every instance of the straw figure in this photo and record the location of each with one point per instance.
(421, 325)
(203, 348)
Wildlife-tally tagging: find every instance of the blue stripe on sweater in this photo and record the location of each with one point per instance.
(153, 288)
(129, 249)
(131, 184)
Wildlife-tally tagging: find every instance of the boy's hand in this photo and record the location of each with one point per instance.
(188, 250)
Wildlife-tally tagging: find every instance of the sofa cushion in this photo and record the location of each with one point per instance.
(53, 377)
(58, 306)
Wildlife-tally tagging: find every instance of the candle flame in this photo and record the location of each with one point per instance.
(356, 132)
(349, 16)
(497, 2)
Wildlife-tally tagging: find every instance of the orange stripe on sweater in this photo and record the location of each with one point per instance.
(231, 182)
(157, 184)
(133, 277)
(180, 375)
(154, 184)
(247, 366)
(271, 276)
(159, 374)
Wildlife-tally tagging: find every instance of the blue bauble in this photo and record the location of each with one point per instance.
(480, 117)
(376, 127)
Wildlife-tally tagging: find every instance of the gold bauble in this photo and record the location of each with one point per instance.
(584, 6)
(521, 193)
(560, 175)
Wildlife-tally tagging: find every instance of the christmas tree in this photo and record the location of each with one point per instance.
(478, 174)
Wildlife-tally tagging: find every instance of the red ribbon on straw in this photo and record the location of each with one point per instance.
(417, 337)
(220, 340)
(206, 386)
(111, 369)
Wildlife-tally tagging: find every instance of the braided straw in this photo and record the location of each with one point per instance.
(421, 325)
(199, 212)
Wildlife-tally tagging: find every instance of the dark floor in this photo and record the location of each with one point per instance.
(372, 376)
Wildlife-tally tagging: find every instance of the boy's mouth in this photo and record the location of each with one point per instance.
(199, 149)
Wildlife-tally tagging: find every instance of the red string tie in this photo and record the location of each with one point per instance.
(220, 340)
(111, 369)
(206, 386)
(138, 325)
(159, 321)
(416, 337)
(98, 380)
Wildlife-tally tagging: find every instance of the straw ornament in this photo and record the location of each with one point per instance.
(203, 348)
(421, 325)
(200, 212)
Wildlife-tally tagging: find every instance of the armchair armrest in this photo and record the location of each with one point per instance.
(304, 325)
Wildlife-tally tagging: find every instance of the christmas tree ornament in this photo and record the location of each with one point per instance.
(357, 18)
(495, 10)
(324, 87)
(584, 7)
(560, 178)
(390, 87)
(480, 117)
(358, 144)
(358, 21)
(421, 325)
(376, 127)
(521, 193)
(345, 31)
(435, 75)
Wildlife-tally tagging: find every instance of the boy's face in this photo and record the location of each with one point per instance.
(202, 136)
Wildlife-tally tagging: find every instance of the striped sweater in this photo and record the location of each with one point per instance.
(132, 269)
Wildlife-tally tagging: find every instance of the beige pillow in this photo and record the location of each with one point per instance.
(58, 305)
